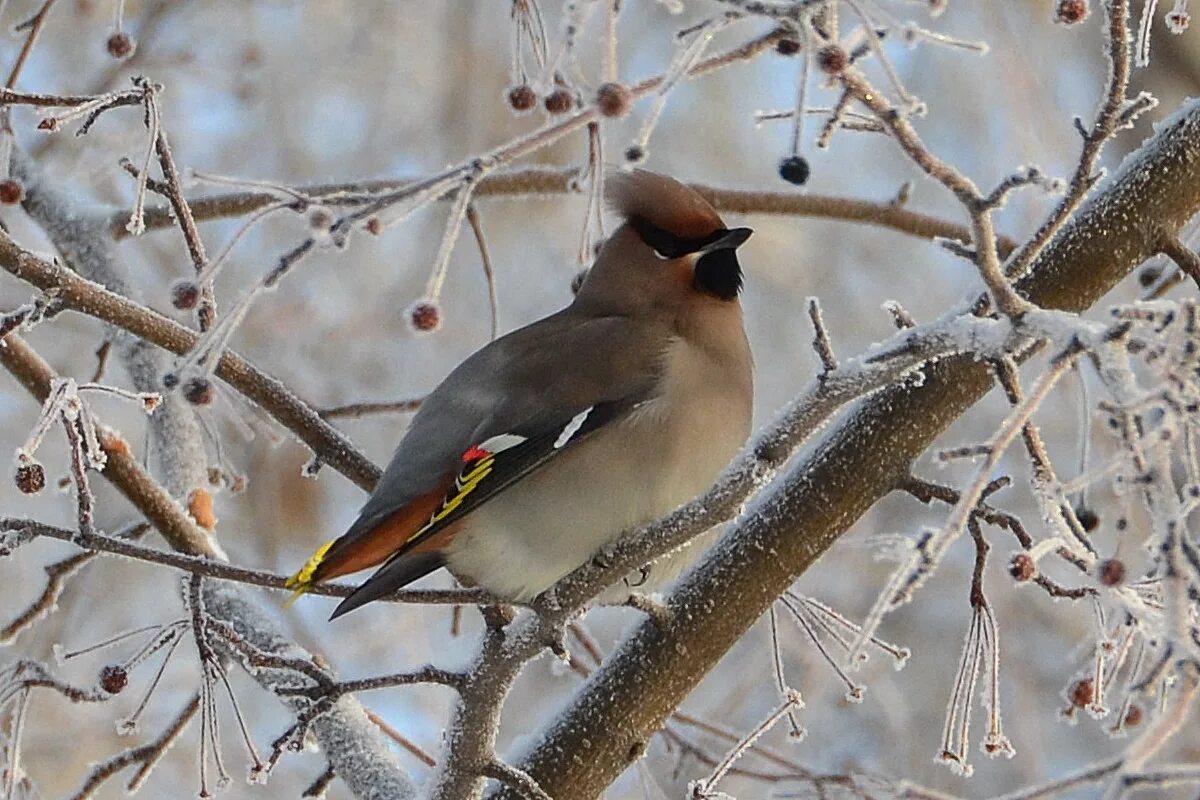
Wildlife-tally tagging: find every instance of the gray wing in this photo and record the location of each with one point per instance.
(522, 383)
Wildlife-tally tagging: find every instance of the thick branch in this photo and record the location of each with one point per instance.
(604, 726)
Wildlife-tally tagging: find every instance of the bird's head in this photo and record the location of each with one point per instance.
(672, 247)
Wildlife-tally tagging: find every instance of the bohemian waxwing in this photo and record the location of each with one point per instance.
(545, 445)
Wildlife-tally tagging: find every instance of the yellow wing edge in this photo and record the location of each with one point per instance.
(302, 581)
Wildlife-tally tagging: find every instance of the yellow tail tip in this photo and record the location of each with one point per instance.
(302, 581)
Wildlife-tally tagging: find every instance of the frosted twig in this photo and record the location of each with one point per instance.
(821, 342)
(706, 788)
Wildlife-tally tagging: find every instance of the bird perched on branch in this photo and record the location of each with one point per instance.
(542, 447)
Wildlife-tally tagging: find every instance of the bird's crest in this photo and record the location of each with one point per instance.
(663, 202)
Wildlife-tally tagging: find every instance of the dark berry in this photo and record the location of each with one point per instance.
(199, 391)
(614, 99)
(635, 154)
(1069, 12)
(832, 59)
(31, 477)
(120, 45)
(1022, 567)
(1082, 693)
(1149, 275)
(522, 98)
(113, 678)
(185, 294)
(1089, 520)
(12, 191)
(787, 47)
(425, 316)
(794, 169)
(1111, 572)
(559, 101)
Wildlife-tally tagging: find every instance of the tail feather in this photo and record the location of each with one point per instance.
(393, 575)
(305, 577)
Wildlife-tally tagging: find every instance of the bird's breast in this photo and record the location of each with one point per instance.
(664, 453)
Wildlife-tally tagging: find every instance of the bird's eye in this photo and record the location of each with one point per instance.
(664, 244)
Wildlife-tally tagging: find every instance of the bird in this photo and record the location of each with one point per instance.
(543, 446)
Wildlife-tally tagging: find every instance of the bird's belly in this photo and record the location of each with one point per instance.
(522, 541)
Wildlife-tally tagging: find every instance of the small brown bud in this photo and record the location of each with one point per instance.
(48, 124)
(185, 294)
(113, 678)
(832, 59)
(559, 101)
(199, 391)
(787, 47)
(1089, 520)
(1111, 572)
(614, 99)
(1082, 693)
(425, 316)
(1022, 567)
(12, 191)
(1133, 717)
(120, 45)
(635, 154)
(522, 98)
(31, 477)
(374, 226)
(1069, 12)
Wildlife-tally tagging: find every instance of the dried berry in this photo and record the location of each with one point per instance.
(48, 124)
(185, 294)
(1089, 520)
(199, 391)
(635, 154)
(374, 226)
(1082, 693)
(614, 99)
(794, 169)
(1133, 717)
(832, 59)
(522, 98)
(1069, 12)
(1022, 567)
(787, 47)
(425, 316)
(120, 45)
(113, 678)
(559, 101)
(12, 191)
(31, 477)
(1111, 572)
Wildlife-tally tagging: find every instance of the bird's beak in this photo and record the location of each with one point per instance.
(731, 240)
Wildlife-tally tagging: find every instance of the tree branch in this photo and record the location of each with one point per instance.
(535, 181)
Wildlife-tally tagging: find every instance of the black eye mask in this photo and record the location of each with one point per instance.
(717, 271)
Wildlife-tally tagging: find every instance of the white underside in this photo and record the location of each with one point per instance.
(665, 454)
